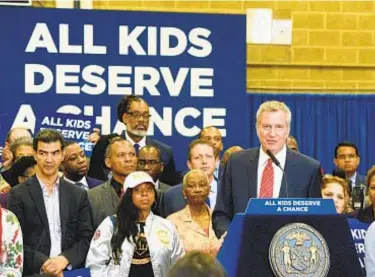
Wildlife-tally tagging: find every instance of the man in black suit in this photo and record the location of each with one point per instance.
(54, 214)
(134, 112)
(251, 173)
(149, 160)
(75, 166)
(347, 158)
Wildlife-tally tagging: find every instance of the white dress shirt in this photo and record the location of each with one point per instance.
(278, 173)
(213, 193)
(52, 205)
(141, 143)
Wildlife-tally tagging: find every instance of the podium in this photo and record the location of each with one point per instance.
(312, 235)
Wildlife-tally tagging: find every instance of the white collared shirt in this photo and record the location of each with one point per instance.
(278, 173)
(157, 185)
(352, 179)
(213, 193)
(83, 181)
(141, 143)
(52, 205)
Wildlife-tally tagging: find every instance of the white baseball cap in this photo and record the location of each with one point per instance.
(136, 178)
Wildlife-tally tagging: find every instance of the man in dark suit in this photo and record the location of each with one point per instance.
(75, 166)
(201, 155)
(54, 214)
(149, 160)
(251, 173)
(134, 112)
(347, 158)
(121, 159)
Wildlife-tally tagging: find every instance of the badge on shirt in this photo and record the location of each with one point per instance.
(163, 236)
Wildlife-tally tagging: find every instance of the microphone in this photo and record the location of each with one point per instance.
(277, 163)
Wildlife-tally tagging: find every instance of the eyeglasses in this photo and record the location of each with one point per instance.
(143, 163)
(138, 115)
(350, 156)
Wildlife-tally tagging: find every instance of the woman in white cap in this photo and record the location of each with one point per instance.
(134, 242)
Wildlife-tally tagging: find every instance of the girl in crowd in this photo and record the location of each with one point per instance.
(194, 222)
(11, 245)
(367, 214)
(135, 242)
(337, 189)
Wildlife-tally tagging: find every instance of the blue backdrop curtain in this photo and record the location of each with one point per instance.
(319, 122)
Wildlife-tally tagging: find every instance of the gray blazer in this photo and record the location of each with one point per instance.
(163, 187)
(103, 201)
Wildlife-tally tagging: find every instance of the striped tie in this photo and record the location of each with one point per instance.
(266, 186)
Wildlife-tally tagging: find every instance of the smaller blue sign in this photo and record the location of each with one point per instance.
(359, 230)
(291, 206)
(73, 127)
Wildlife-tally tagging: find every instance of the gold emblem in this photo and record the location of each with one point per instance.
(298, 249)
(163, 236)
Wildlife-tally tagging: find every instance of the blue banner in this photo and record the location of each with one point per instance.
(191, 68)
(291, 206)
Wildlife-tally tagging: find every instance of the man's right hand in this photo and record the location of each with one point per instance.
(94, 136)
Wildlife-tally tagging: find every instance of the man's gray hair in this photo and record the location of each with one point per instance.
(19, 142)
(274, 106)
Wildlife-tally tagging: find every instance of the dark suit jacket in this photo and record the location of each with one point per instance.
(169, 174)
(365, 215)
(27, 203)
(360, 180)
(239, 183)
(103, 201)
(172, 200)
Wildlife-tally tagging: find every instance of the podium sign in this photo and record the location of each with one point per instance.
(291, 206)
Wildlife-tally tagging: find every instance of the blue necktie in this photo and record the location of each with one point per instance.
(136, 146)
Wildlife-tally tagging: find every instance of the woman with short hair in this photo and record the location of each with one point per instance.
(194, 222)
(135, 242)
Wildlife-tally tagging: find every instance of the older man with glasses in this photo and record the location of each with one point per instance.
(134, 112)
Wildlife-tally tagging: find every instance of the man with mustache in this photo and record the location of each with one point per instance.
(134, 112)
(75, 166)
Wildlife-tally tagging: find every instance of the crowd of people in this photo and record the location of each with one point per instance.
(127, 209)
